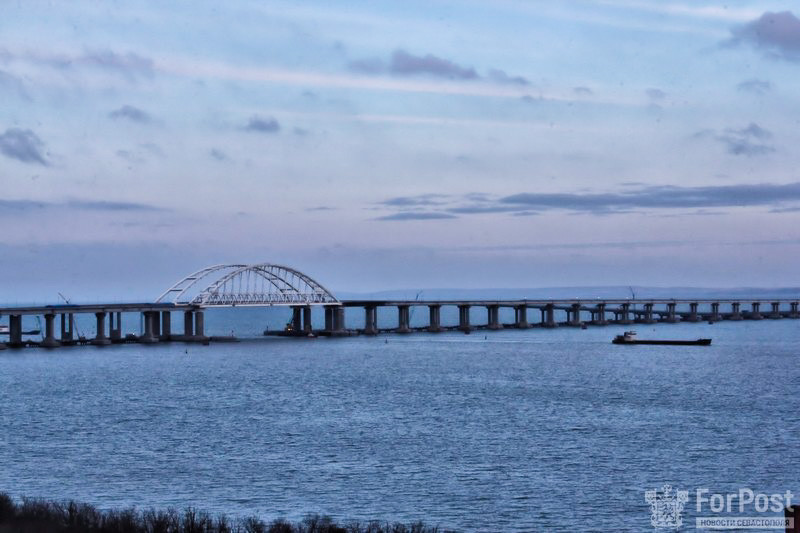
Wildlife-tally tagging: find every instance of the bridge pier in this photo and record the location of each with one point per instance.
(776, 310)
(199, 325)
(624, 314)
(100, 338)
(599, 315)
(715, 316)
(115, 326)
(755, 314)
(435, 319)
(148, 336)
(370, 320)
(15, 330)
(297, 319)
(188, 325)
(521, 317)
(166, 326)
(794, 310)
(548, 316)
(648, 314)
(574, 315)
(403, 317)
(338, 320)
(693, 316)
(49, 340)
(736, 313)
(67, 327)
(672, 316)
(493, 316)
(307, 326)
(463, 318)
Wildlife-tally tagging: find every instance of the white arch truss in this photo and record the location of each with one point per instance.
(262, 284)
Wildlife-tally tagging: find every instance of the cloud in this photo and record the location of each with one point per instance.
(583, 91)
(403, 63)
(500, 76)
(22, 145)
(80, 205)
(262, 125)
(322, 208)
(634, 197)
(218, 154)
(129, 112)
(776, 34)
(755, 86)
(413, 201)
(128, 64)
(413, 215)
(749, 141)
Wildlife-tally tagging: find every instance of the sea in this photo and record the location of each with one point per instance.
(511, 430)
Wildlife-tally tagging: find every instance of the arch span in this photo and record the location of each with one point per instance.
(262, 284)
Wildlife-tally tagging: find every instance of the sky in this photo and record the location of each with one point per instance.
(395, 145)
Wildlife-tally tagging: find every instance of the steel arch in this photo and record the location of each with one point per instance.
(263, 284)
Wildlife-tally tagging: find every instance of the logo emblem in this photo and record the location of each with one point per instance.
(666, 507)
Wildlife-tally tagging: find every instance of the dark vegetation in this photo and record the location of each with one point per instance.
(42, 516)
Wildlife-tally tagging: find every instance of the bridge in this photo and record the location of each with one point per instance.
(268, 285)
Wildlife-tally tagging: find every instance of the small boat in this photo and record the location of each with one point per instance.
(629, 337)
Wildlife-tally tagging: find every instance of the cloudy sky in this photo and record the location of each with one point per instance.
(445, 143)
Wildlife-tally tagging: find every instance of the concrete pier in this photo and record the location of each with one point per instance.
(715, 316)
(648, 314)
(463, 318)
(49, 340)
(574, 315)
(755, 313)
(166, 326)
(776, 310)
(493, 316)
(188, 325)
(148, 335)
(521, 317)
(307, 327)
(338, 321)
(199, 326)
(624, 314)
(370, 320)
(100, 338)
(15, 331)
(794, 310)
(672, 316)
(67, 327)
(549, 316)
(599, 315)
(693, 316)
(736, 313)
(435, 318)
(115, 327)
(297, 319)
(403, 316)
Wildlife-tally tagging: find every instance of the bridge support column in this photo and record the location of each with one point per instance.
(297, 319)
(156, 324)
(199, 325)
(100, 338)
(166, 325)
(403, 318)
(755, 314)
(715, 316)
(338, 320)
(329, 318)
(370, 320)
(307, 327)
(600, 315)
(624, 314)
(15, 330)
(115, 326)
(648, 314)
(493, 315)
(672, 316)
(776, 310)
(67, 327)
(548, 316)
(521, 317)
(794, 310)
(49, 340)
(463, 318)
(435, 322)
(188, 325)
(736, 313)
(147, 336)
(574, 315)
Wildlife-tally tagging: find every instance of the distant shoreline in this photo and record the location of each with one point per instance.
(51, 516)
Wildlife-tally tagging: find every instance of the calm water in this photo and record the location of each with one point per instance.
(523, 430)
